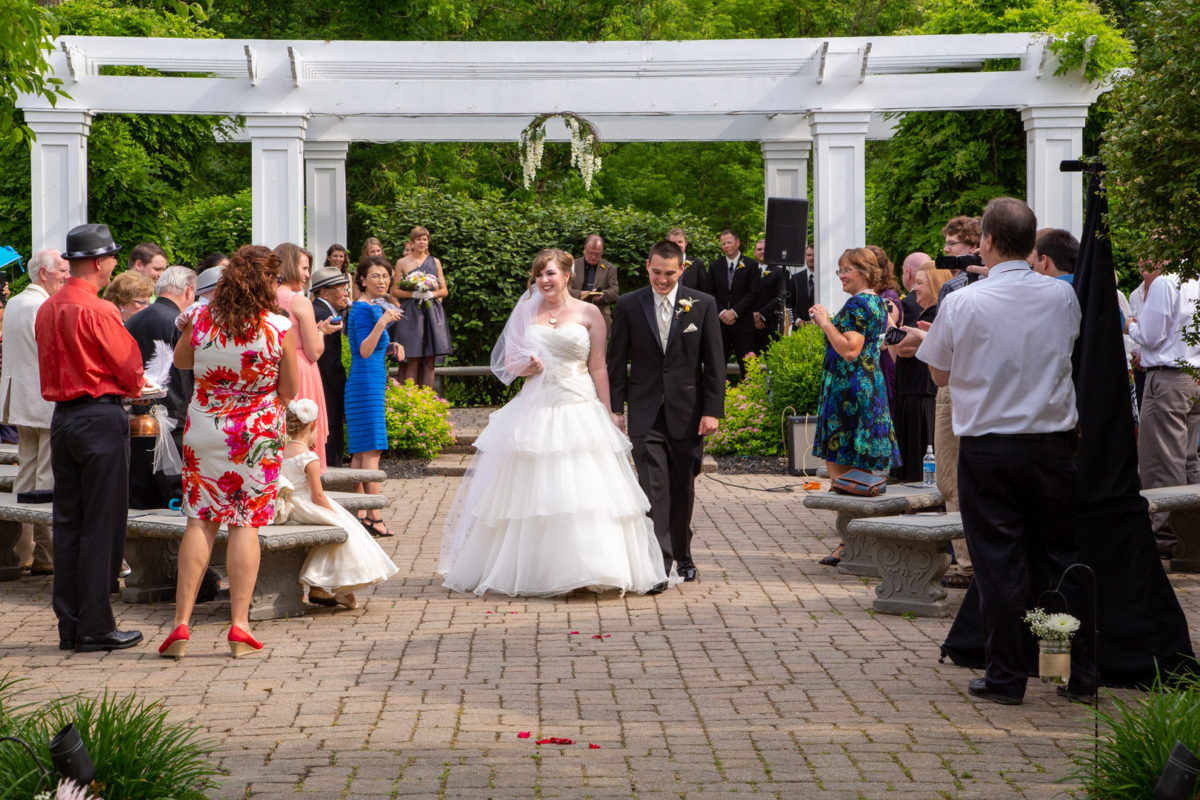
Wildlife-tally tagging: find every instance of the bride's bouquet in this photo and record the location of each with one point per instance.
(421, 284)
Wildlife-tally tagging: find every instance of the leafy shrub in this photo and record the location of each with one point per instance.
(138, 754)
(749, 428)
(418, 421)
(794, 364)
(217, 224)
(1136, 738)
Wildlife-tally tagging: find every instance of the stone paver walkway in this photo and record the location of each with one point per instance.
(767, 678)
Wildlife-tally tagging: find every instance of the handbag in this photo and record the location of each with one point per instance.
(860, 483)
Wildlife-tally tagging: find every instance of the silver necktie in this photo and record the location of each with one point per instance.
(664, 321)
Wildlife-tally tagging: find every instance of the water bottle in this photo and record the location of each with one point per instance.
(929, 468)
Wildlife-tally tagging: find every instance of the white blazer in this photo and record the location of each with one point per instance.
(21, 401)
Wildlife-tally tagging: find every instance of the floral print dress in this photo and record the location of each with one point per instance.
(854, 426)
(233, 441)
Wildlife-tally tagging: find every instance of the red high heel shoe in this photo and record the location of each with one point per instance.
(242, 643)
(176, 643)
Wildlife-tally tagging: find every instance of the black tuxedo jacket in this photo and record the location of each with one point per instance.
(801, 295)
(744, 291)
(687, 381)
(696, 277)
(769, 288)
(333, 372)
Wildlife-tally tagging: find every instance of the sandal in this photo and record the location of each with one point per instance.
(833, 559)
(376, 528)
(320, 597)
(348, 600)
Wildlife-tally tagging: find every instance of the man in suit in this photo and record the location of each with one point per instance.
(767, 306)
(176, 289)
(695, 274)
(21, 402)
(735, 279)
(593, 279)
(331, 295)
(675, 391)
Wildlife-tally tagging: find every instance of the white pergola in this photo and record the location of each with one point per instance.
(804, 100)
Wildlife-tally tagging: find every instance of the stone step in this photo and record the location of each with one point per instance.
(454, 465)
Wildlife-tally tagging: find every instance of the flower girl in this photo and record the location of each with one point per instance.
(333, 571)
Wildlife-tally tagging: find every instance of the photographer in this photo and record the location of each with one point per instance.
(961, 237)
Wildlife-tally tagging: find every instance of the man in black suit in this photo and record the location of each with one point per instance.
(767, 307)
(734, 279)
(331, 295)
(675, 391)
(176, 289)
(695, 274)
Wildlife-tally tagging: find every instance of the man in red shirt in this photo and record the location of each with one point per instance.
(88, 363)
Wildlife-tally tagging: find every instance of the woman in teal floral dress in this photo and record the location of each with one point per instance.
(854, 427)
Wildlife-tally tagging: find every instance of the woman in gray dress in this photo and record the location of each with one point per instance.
(422, 332)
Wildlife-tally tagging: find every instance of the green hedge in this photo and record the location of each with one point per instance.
(486, 248)
(217, 224)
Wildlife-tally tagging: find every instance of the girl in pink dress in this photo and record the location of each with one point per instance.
(295, 265)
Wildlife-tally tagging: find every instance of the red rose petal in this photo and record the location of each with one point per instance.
(555, 740)
(593, 746)
(489, 612)
(523, 735)
(574, 633)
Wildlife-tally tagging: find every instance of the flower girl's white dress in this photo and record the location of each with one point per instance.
(550, 503)
(353, 564)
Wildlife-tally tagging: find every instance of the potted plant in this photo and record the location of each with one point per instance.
(1054, 632)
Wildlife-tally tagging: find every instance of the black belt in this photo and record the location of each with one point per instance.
(86, 399)
(1156, 369)
(1055, 436)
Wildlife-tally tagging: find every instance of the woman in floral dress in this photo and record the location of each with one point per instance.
(243, 353)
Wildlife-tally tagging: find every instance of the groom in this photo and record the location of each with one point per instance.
(670, 337)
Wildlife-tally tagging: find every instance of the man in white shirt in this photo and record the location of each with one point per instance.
(1170, 415)
(21, 402)
(1003, 347)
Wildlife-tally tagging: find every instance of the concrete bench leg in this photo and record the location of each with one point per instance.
(10, 564)
(857, 555)
(911, 572)
(278, 594)
(152, 563)
(1186, 525)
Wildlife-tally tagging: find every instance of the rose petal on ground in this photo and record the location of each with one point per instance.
(523, 735)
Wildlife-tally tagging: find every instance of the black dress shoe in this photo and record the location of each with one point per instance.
(113, 640)
(977, 687)
(66, 644)
(657, 588)
(1088, 699)
(688, 573)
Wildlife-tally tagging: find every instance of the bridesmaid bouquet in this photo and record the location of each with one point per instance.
(421, 284)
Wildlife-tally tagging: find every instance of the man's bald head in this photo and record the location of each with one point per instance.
(909, 269)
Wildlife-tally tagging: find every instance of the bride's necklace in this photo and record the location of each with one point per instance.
(554, 312)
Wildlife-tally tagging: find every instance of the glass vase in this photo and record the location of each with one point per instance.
(1054, 660)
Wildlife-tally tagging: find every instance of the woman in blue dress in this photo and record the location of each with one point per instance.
(366, 425)
(854, 426)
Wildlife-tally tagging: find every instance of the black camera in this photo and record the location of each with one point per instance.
(960, 263)
(894, 335)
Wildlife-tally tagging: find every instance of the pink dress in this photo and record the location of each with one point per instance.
(309, 377)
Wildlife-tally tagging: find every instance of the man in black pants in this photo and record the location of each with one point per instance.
(88, 362)
(1003, 346)
(331, 296)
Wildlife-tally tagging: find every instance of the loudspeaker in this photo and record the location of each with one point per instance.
(799, 432)
(787, 231)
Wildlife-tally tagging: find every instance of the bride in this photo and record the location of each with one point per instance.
(550, 503)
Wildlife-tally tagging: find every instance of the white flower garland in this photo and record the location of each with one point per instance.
(585, 146)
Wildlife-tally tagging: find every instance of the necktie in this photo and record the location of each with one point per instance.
(732, 267)
(664, 321)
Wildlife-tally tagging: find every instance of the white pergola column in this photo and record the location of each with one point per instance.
(1054, 134)
(785, 165)
(277, 181)
(839, 195)
(325, 196)
(58, 166)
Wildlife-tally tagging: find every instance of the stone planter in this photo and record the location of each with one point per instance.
(1054, 660)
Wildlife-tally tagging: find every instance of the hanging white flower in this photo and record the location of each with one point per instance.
(585, 148)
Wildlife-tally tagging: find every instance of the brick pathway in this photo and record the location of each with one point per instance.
(767, 678)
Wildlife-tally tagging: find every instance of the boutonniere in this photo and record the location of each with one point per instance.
(683, 305)
(603, 265)
(741, 265)
(687, 262)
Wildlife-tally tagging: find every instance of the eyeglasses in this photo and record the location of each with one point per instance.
(141, 303)
(952, 243)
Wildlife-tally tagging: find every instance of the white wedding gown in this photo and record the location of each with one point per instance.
(354, 564)
(551, 503)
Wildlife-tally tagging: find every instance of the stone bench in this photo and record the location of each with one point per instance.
(1183, 504)
(12, 516)
(346, 478)
(857, 556)
(910, 556)
(8, 453)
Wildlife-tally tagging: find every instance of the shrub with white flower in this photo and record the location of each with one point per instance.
(1051, 626)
